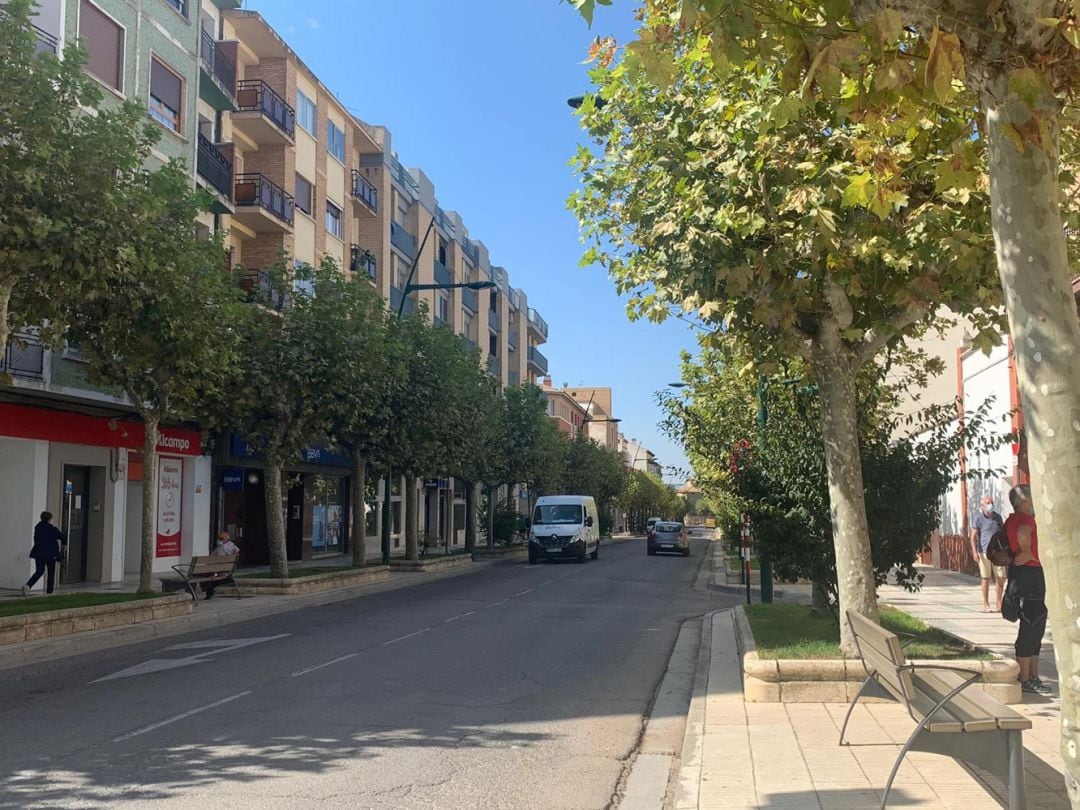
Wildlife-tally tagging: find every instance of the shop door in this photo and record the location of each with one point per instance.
(74, 523)
(294, 524)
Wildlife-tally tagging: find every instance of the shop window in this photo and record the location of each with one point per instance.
(103, 40)
(166, 95)
(328, 515)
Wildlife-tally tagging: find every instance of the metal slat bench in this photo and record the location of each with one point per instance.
(967, 725)
(217, 569)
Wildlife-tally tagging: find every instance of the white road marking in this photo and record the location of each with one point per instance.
(470, 613)
(177, 717)
(496, 604)
(530, 590)
(320, 666)
(211, 647)
(402, 638)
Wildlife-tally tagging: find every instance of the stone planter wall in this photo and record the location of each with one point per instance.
(50, 623)
(838, 681)
(500, 552)
(313, 584)
(431, 563)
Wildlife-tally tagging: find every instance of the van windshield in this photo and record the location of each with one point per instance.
(558, 513)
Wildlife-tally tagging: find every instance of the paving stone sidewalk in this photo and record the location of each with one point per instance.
(774, 756)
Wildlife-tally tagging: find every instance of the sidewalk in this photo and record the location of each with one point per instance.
(774, 755)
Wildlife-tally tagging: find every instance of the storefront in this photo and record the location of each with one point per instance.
(87, 470)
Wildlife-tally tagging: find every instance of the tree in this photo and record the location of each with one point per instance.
(590, 469)
(168, 336)
(281, 366)
(369, 368)
(803, 232)
(65, 176)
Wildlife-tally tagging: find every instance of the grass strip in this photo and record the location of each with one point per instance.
(64, 601)
(783, 630)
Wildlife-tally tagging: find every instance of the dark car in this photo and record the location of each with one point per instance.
(668, 536)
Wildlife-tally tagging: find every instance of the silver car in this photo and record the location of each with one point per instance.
(668, 536)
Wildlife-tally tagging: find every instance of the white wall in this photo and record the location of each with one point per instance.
(986, 381)
(24, 468)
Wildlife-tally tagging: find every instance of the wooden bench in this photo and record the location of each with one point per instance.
(951, 719)
(216, 569)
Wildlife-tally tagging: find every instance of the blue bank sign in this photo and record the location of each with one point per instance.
(309, 455)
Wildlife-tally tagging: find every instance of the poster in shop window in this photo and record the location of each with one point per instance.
(170, 492)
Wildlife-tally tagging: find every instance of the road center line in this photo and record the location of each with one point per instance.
(320, 666)
(500, 602)
(516, 595)
(177, 717)
(402, 638)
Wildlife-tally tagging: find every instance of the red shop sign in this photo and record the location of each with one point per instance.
(24, 422)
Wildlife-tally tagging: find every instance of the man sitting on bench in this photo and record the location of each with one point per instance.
(225, 548)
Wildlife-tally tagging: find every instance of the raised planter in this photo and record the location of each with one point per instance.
(315, 583)
(431, 563)
(51, 623)
(837, 680)
(499, 552)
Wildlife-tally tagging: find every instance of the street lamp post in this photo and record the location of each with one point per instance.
(410, 288)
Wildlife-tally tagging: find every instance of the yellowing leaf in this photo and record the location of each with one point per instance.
(944, 62)
(859, 191)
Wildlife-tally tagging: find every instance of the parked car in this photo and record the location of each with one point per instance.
(668, 536)
(564, 526)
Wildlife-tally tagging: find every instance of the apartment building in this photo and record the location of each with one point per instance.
(600, 424)
(569, 415)
(637, 456)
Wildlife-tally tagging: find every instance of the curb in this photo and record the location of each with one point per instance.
(35, 652)
(688, 784)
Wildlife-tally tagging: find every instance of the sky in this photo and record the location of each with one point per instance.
(474, 93)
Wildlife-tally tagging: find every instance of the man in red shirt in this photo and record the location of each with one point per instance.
(1027, 582)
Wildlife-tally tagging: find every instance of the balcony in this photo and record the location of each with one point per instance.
(46, 42)
(514, 297)
(443, 274)
(537, 360)
(537, 325)
(364, 192)
(512, 338)
(362, 261)
(402, 239)
(493, 320)
(403, 178)
(262, 115)
(261, 205)
(262, 290)
(469, 345)
(470, 249)
(443, 221)
(214, 167)
(493, 366)
(217, 86)
(395, 302)
(24, 358)
(512, 378)
(470, 299)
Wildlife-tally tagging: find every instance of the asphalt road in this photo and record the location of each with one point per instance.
(515, 687)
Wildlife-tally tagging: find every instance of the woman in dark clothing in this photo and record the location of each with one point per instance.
(49, 542)
(1026, 580)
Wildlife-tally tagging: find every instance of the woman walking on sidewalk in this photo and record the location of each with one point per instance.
(1028, 585)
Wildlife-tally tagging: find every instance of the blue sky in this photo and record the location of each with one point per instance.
(474, 93)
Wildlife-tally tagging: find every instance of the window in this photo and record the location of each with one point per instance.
(302, 282)
(166, 95)
(443, 308)
(305, 113)
(333, 220)
(305, 195)
(104, 43)
(401, 271)
(401, 208)
(335, 141)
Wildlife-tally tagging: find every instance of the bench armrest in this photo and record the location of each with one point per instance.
(975, 676)
(905, 639)
(182, 570)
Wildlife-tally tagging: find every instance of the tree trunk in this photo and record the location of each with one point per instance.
(359, 513)
(412, 550)
(149, 500)
(835, 369)
(275, 521)
(1035, 274)
(6, 288)
(491, 517)
(470, 517)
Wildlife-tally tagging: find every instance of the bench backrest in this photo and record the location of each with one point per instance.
(882, 656)
(215, 564)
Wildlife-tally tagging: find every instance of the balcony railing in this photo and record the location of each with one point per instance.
(402, 239)
(219, 65)
(512, 337)
(512, 377)
(214, 168)
(470, 249)
(443, 274)
(362, 261)
(46, 42)
(24, 358)
(469, 344)
(255, 95)
(538, 323)
(261, 289)
(493, 365)
(256, 190)
(471, 299)
(403, 177)
(363, 190)
(493, 320)
(395, 301)
(514, 297)
(538, 359)
(443, 221)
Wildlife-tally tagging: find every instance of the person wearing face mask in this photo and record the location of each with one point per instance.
(1026, 580)
(986, 524)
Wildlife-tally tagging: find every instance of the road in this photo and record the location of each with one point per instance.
(519, 686)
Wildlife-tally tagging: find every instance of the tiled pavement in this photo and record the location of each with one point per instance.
(773, 756)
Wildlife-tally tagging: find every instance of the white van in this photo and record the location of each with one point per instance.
(564, 526)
